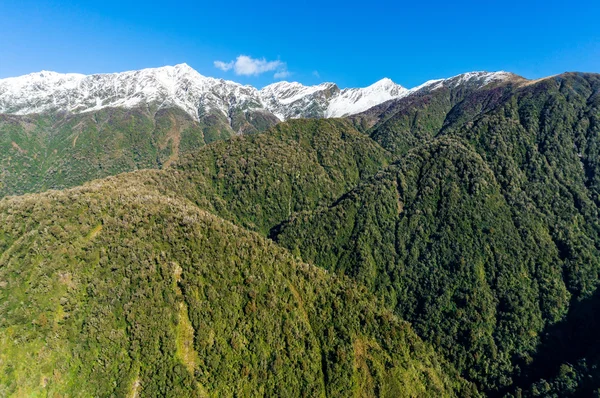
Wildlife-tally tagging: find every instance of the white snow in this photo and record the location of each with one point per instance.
(286, 93)
(430, 84)
(480, 79)
(356, 100)
(182, 86)
(178, 85)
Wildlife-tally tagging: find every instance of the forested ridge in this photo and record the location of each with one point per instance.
(440, 244)
(139, 293)
(496, 213)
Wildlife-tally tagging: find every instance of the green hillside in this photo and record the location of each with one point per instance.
(258, 181)
(114, 289)
(55, 151)
(435, 238)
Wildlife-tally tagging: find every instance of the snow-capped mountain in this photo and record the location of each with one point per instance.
(198, 95)
(178, 85)
(355, 100)
(291, 100)
(182, 86)
(469, 80)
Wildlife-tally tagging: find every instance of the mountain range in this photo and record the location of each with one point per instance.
(183, 87)
(443, 242)
(63, 129)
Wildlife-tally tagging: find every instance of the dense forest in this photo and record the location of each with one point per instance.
(442, 244)
(139, 293)
(485, 236)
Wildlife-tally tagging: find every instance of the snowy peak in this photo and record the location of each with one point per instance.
(287, 93)
(293, 100)
(384, 84)
(178, 85)
(473, 80)
(356, 100)
(480, 79)
(198, 95)
(182, 86)
(289, 100)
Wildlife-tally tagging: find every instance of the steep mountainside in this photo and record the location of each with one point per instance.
(115, 289)
(259, 181)
(39, 152)
(413, 119)
(486, 235)
(435, 237)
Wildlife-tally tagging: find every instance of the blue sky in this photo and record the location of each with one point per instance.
(349, 42)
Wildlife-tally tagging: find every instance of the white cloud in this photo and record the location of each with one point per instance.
(224, 65)
(316, 74)
(282, 74)
(248, 66)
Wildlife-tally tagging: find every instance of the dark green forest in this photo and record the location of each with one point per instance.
(443, 244)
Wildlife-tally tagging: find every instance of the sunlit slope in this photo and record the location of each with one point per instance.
(116, 289)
